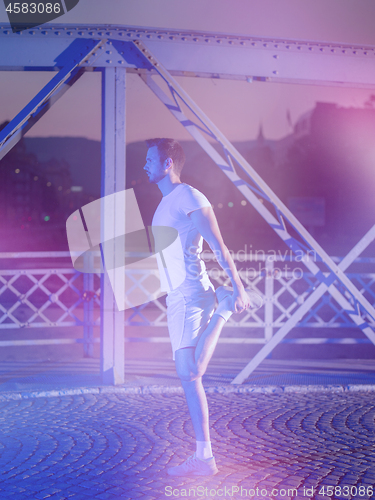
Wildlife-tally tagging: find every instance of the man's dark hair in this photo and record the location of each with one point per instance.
(169, 148)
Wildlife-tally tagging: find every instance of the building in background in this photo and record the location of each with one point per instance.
(36, 198)
(323, 171)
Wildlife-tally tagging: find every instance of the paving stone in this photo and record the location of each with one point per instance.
(110, 446)
(105, 496)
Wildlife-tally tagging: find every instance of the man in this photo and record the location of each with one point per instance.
(193, 323)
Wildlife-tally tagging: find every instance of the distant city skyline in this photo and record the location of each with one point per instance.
(324, 170)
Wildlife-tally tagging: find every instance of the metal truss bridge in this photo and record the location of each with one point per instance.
(115, 50)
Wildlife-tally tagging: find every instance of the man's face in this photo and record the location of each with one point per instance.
(154, 167)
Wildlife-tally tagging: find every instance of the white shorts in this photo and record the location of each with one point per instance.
(188, 315)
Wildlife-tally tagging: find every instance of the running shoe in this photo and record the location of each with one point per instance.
(194, 466)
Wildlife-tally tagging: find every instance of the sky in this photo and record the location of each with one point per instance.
(237, 108)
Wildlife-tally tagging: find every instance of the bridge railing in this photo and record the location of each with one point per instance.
(42, 290)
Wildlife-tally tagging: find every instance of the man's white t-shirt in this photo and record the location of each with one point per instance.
(185, 268)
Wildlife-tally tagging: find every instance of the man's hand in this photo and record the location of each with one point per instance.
(240, 300)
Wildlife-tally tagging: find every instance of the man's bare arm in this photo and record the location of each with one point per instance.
(205, 221)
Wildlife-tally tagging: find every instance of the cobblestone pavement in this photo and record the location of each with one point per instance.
(116, 446)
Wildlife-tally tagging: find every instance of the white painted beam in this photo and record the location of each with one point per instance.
(197, 54)
(113, 220)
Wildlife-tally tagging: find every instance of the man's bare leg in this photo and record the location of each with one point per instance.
(191, 364)
(202, 462)
(207, 343)
(197, 403)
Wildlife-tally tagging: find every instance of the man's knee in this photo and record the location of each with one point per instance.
(188, 373)
(186, 367)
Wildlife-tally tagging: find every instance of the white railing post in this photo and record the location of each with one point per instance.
(88, 307)
(268, 305)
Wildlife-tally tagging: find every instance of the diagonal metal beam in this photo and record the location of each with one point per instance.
(42, 102)
(248, 193)
(277, 225)
(281, 210)
(245, 189)
(306, 307)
